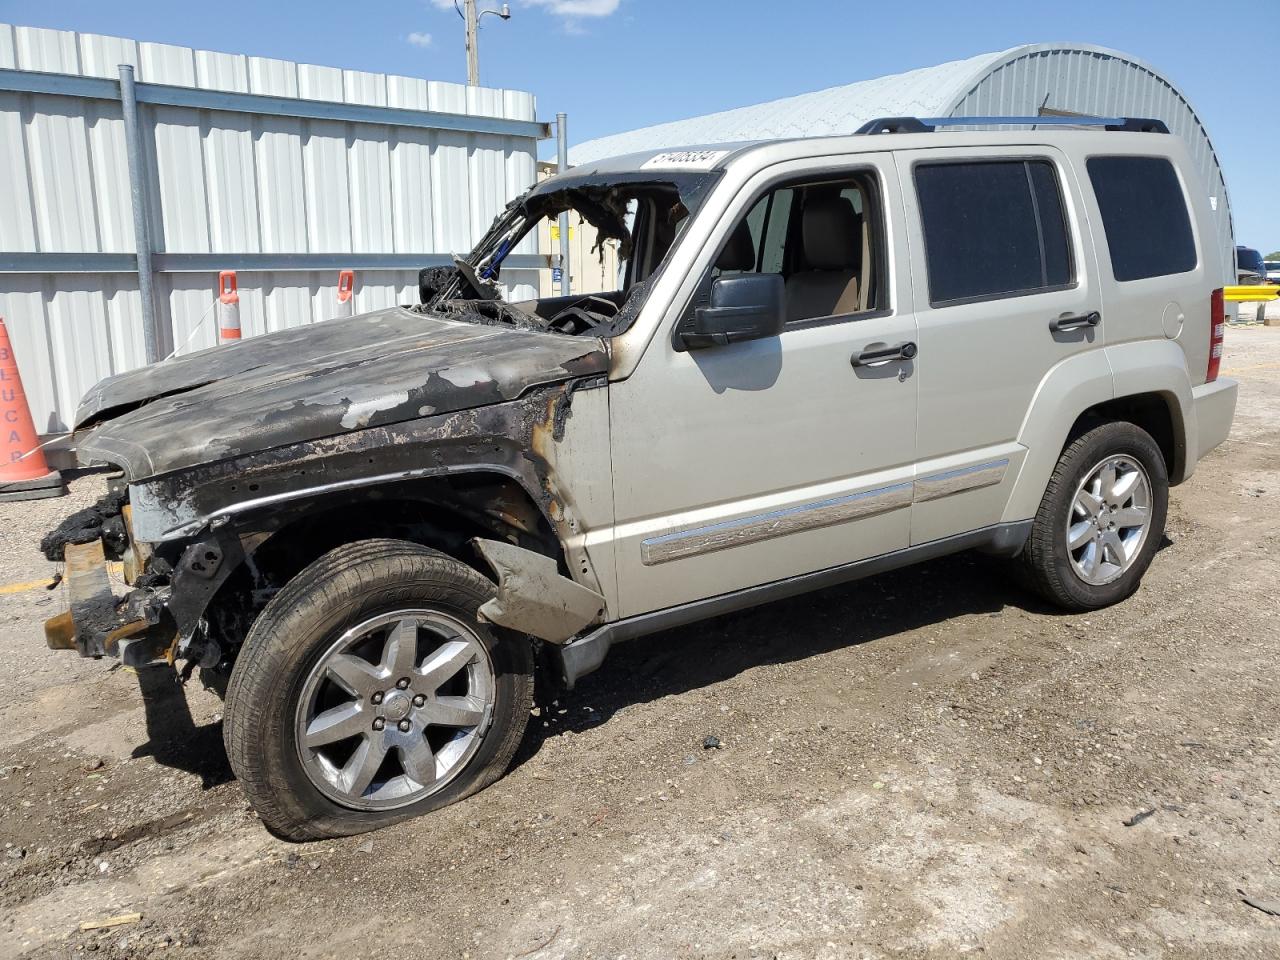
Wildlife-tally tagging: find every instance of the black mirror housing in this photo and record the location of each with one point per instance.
(748, 306)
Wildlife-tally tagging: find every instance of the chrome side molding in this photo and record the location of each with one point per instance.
(818, 513)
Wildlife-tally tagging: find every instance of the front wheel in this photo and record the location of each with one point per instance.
(1101, 519)
(368, 692)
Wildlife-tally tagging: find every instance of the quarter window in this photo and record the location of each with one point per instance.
(992, 229)
(1144, 214)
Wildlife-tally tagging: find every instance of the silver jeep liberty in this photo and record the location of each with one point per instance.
(824, 358)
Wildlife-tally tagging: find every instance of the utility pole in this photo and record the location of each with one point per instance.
(472, 18)
(562, 156)
(473, 43)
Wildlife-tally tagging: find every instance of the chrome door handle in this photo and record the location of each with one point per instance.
(878, 353)
(1059, 324)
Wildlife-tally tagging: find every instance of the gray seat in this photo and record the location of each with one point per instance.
(831, 232)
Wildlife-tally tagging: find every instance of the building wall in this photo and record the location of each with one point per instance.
(227, 183)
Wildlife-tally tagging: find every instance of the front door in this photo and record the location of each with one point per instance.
(742, 464)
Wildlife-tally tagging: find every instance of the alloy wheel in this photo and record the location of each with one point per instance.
(395, 709)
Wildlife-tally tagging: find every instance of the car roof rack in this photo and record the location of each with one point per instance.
(928, 125)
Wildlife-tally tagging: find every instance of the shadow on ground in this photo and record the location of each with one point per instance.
(175, 741)
(679, 660)
(714, 650)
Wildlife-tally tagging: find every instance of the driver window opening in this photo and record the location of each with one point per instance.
(822, 237)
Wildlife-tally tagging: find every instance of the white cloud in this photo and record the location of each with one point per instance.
(577, 8)
(419, 39)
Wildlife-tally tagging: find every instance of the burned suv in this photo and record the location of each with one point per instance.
(824, 358)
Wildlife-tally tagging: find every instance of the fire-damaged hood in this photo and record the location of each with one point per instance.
(317, 381)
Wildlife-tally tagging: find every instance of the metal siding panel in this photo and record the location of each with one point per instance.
(166, 63)
(287, 299)
(369, 167)
(80, 343)
(411, 190)
(101, 56)
(17, 219)
(23, 299)
(124, 305)
(53, 51)
(366, 88)
(274, 78)
(187, 299)
(319, 83)
(409, 93)
(282, 207)
(58, 149)
(451, 176)
(180, 176)
(231, 184)
(488, 181)
(222, 71)
(328, 202)
(110, 165)
(8, 48)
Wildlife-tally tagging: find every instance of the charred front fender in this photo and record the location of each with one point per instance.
(214, 517)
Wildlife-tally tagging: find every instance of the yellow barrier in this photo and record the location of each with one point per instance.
(1258, 293)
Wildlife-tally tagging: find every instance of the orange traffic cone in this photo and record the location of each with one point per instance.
(24, 474)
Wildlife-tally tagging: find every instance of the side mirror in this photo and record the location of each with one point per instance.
(748, 306)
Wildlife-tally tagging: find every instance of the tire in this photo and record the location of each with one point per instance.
(1062, 575)
(302, 663)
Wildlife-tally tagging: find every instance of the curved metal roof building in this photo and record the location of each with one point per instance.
(1050, 78)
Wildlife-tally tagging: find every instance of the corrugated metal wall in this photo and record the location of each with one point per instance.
(224, 182)
(1103, 83)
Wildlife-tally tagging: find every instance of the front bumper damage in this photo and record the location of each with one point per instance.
(135, 627)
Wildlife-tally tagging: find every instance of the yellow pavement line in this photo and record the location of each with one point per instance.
(22, 587)
(113, 568)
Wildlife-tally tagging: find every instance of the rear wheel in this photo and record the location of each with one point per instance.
(1101, 519)
(368, 692)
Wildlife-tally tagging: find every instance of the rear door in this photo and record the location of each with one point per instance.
(1004, 291)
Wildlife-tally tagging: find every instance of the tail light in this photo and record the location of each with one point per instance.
(1217, 331)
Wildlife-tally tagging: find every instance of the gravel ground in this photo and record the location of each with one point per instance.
(925, 764)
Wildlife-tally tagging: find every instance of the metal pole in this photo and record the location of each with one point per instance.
(473, 43)
(141, 217)
(562, 145)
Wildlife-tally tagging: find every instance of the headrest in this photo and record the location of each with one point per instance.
(832, 233)
(740, 252)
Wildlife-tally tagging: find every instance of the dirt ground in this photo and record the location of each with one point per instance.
(924, 764)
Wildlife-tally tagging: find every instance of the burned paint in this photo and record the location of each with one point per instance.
(276, 391)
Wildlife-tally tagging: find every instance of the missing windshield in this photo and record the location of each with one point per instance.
(628, 223)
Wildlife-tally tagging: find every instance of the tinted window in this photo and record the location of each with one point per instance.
(1249, 259)
(992, 229)
(1145, 216)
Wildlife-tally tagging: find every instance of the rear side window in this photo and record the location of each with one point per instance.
(1145, 216)
(992, 229)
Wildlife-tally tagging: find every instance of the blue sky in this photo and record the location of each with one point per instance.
(617, 64)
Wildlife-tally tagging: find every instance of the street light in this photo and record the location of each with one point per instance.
(472, 19)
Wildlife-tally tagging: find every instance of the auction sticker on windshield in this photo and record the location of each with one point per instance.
(685, 159)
